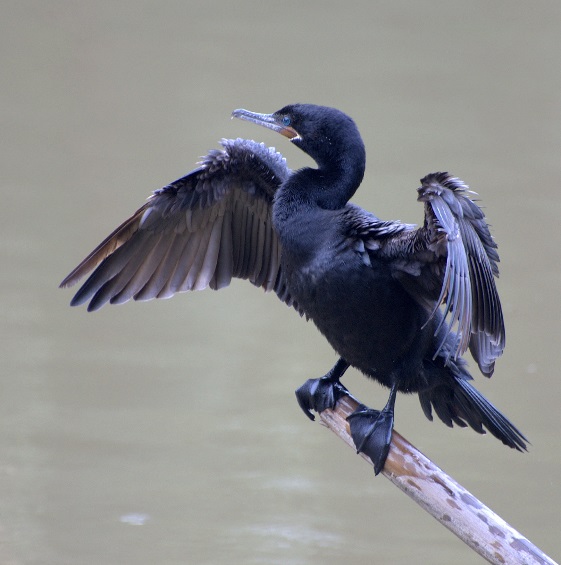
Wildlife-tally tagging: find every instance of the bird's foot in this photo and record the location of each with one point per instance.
(371, 431)
(319, 394)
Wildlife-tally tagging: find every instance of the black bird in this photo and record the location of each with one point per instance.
(400, 303)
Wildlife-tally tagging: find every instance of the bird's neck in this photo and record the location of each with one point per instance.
(329, 187)
(304, 206)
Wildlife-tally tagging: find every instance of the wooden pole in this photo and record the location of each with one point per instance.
(442, 497)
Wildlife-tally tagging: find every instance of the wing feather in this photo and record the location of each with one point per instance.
(199, 231)
(456, 226)
(449, 265)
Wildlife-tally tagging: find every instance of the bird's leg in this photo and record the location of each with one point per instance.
(319, 394)
(371, 430)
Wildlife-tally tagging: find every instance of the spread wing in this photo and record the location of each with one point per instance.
(199, 231)
(448, 264)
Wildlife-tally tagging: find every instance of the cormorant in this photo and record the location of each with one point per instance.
(400, 303)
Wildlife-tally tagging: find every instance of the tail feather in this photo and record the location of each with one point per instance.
(463, 405)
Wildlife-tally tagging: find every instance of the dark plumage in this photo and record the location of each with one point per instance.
(399, 302)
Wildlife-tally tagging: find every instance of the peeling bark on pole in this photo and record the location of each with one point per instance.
(442, 497)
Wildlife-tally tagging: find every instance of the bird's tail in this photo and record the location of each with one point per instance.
(463, 405)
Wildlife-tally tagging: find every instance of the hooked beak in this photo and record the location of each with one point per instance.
(270, 121)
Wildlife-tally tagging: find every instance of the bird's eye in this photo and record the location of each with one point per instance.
(286, 121)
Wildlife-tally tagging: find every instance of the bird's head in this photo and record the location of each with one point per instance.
(324, 133)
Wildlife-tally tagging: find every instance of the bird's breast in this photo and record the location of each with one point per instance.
(364, 313)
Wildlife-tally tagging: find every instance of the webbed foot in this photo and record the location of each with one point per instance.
(371, 431)
(319, 394)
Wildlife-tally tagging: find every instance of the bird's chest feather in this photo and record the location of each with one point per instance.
(365, 314)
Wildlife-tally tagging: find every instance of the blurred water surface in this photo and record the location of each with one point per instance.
(167, 432)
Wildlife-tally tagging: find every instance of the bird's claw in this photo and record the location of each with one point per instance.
(371, 431)
(319, 394)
